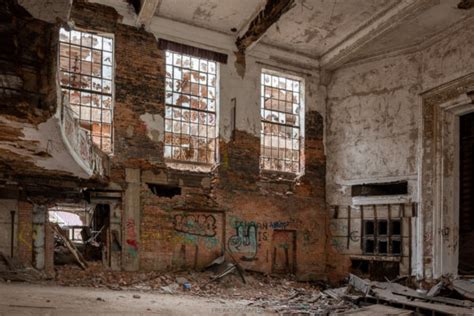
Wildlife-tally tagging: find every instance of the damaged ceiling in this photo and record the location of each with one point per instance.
(320, 28)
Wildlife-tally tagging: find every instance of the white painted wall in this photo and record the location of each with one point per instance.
(374, 114)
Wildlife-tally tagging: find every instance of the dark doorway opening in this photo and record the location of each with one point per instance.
(466, 195)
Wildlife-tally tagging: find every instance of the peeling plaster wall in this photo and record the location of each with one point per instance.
(372, 125)
(374, 119)
(450, 58)
(374, 113)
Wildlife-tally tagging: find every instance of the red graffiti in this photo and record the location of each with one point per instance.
(132, 235)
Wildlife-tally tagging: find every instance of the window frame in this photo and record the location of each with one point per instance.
(376, 237)
(192, 164)
(287, 74)
(112, 79)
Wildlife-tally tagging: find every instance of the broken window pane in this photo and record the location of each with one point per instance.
(190, 124)
(86, 72)
(280, 111)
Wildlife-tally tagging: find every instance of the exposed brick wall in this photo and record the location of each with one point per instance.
(266, 223)
(27, 65)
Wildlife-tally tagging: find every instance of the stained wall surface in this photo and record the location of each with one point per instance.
(267, 223)
(374, 123)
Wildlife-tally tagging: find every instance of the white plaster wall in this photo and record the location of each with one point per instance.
(372, 124)
(450, 58)
(374, 113)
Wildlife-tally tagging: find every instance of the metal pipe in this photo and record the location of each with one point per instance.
(12, 213)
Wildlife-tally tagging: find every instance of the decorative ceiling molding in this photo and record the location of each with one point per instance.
(414, 48)
(391, 18)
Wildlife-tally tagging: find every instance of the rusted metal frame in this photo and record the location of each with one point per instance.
(348, 226)
(376, 231)
(409, 238)
(362, 232)
(389, 230)
(268, 16)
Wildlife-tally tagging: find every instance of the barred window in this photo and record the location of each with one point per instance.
(382, 237)
(190, 111)
(86, 78)
(281, 117)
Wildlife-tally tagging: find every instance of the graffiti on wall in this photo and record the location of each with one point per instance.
(244, 241)
(249, 235)
(131, 238)
(198, 225)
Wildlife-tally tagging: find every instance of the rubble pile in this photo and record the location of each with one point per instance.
(283, 294)
(12, 270)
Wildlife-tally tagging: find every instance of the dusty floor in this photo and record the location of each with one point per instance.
(33, 299)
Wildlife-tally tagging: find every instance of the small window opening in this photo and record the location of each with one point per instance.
(396, 227)
(369, 228)
(369, 246)
(382, 227)
(382, 237)
(164, 190)
(383, 247)
(396, 247)
(376, 189)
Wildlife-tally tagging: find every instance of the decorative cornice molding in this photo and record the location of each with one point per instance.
(342, 52)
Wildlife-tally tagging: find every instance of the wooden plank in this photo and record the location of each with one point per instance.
(444, 300)
(465, 288)
(67, 242)
(377, 309)
(387, 296)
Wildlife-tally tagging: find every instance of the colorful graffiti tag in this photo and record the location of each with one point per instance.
(132, 238)
(198, 225)
(244, 241)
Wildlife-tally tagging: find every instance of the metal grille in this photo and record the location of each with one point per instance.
(86, 76)
(281, 108)
(382, 237)
(190, 112)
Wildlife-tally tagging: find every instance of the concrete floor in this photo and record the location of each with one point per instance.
(32, 299)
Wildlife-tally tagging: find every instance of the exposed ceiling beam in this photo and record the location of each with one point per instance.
(254, 30)
(346, 49)
(147, 11)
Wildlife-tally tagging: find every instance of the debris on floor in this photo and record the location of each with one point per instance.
(222, 281)
(12, 270)
(66, 242)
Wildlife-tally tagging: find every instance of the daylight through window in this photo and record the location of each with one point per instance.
(86, 77)
(190, 114)
(281, 108)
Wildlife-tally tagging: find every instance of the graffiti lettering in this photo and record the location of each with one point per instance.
(244, 241)
(199, 225)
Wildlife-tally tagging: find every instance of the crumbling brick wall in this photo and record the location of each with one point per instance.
(266, 223)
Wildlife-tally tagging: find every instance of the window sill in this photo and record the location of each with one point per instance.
(190, 166)
(278, 176)
(389, 258)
